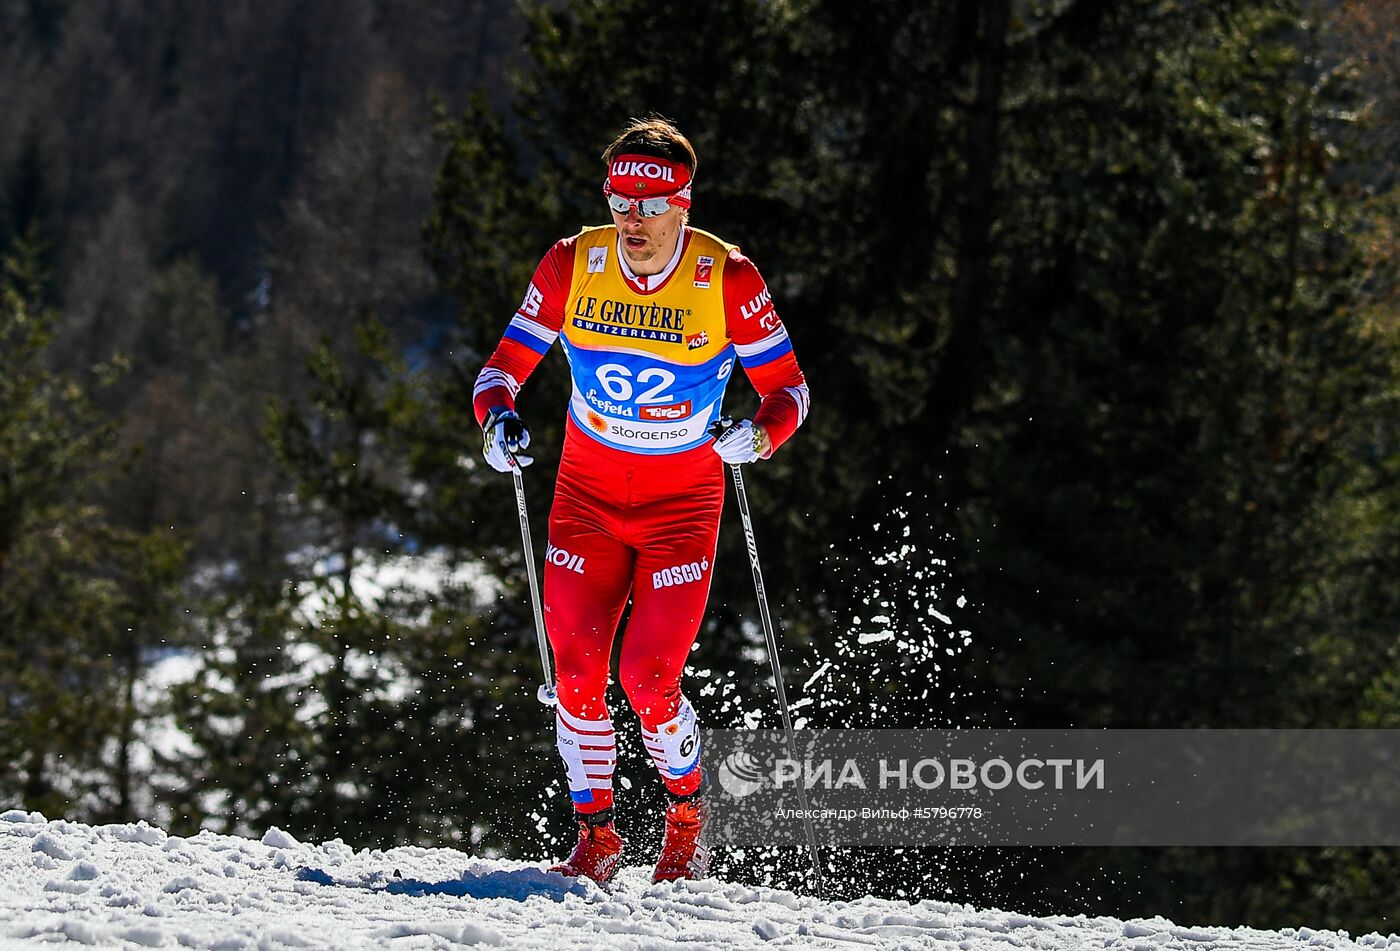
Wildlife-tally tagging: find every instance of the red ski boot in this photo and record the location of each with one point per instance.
(598, 854)
(685, 851)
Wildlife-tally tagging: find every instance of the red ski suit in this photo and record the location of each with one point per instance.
(637, 505)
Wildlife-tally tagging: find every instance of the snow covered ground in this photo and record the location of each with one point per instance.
(133, 886)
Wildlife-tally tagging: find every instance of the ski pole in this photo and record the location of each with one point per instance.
(719, 427)
(546, 694)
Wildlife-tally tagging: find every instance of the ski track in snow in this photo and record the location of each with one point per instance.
(133, 886)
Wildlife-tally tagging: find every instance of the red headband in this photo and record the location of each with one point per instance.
(646, 176)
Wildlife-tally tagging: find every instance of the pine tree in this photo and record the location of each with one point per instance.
(81, 598)
(363, 697)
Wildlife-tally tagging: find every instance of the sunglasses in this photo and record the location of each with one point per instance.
(646, 207)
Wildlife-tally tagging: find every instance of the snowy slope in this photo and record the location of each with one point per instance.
(133, 886)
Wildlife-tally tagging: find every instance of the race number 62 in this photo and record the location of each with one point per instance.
(616, 380)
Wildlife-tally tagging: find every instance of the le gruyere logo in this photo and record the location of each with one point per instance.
(624, 319)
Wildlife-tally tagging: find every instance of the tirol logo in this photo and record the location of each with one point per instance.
(650, 170)
(696, 341)
(663, 413)
(754, 307)
(740, 774)
(562, 559)
(703, 266)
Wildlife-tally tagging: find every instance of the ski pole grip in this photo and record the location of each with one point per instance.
(720, 426)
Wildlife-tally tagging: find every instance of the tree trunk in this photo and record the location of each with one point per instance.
(131, 669)
(960, 365)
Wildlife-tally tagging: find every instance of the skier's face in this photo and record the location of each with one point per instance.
(648, 243)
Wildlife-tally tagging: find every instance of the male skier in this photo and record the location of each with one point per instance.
(652, 315)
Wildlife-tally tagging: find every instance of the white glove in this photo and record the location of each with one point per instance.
(742, 442)
(504, 437)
